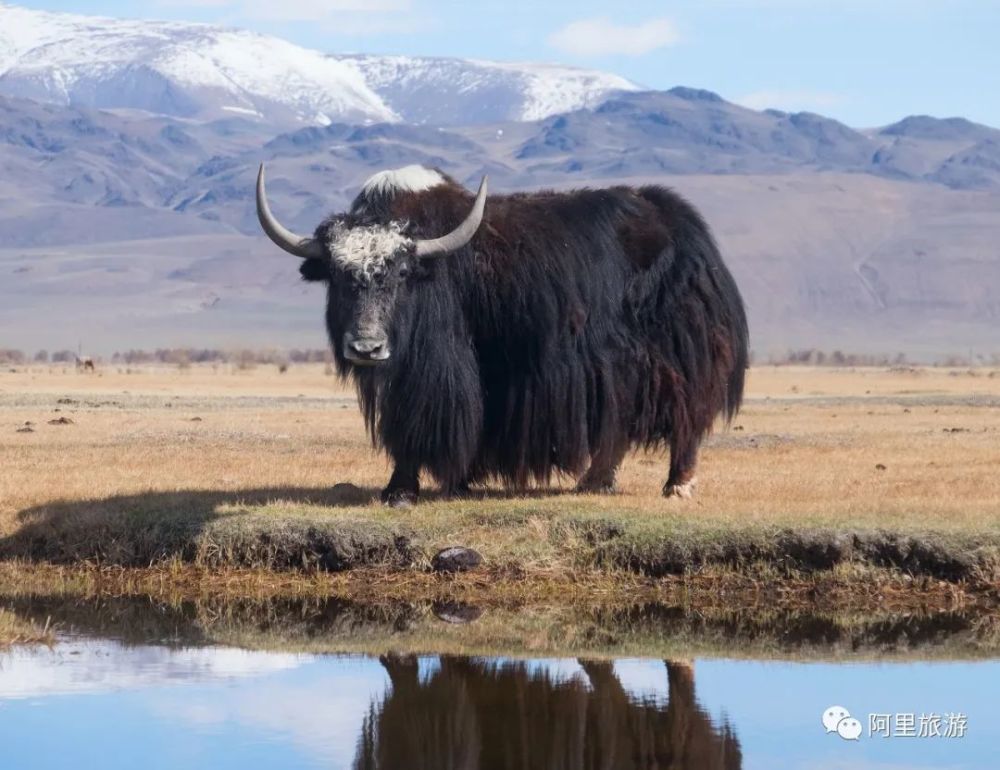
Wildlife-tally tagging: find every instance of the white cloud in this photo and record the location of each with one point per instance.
(791, 100)
(76, 666)
(602, 37)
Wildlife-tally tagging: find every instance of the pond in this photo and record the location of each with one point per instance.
(162, 686)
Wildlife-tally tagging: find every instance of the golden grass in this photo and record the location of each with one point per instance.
(250, 449)
(15, 629)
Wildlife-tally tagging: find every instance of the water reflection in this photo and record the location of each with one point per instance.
(91, 703)
(645, 629)
(77, 666)
(268, 683)
(474, 713)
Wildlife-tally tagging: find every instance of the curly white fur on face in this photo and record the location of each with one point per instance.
(366, 251)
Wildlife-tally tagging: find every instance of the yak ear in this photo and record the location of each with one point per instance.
(315, 270)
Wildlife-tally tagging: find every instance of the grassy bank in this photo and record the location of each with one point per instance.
(568, 535)
(828, 478)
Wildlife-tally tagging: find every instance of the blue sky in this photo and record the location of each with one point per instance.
(866, 62)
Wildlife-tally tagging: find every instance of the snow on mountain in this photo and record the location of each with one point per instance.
(186, 70)
(468, 91)
(206, 72)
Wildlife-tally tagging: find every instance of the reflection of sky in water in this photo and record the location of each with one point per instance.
(97, 704)
(776, 710)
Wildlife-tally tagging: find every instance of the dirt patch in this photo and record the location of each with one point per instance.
(735, 440)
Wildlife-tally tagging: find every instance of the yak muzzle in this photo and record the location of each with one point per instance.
(366, 351)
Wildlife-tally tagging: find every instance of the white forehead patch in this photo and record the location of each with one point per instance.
(406, 179)
(366, 250)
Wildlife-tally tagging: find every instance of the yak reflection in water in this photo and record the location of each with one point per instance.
(474, 713)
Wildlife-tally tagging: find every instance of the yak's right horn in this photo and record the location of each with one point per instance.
(305, 248)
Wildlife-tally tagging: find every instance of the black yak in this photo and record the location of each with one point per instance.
(515, 336)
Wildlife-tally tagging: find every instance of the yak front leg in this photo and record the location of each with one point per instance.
(600, 476)
(403, 488)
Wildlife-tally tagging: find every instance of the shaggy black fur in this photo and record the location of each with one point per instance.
(573, 326)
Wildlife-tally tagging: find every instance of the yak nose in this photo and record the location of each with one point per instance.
(365, 348)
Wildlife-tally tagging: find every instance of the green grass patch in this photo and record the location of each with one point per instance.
(564, 534)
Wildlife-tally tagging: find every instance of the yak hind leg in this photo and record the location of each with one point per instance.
(681, 480)
(403, 488)
(600, 476)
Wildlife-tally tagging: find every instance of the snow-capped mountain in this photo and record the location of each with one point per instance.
(469, 91)
(185, 70)
(206, 73)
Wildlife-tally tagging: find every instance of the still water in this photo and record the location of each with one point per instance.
(92, 702)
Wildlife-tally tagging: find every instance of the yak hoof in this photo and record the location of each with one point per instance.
(399, 498)
(592, 488)
(683, 491)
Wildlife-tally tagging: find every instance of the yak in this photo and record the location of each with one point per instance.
(513, 337)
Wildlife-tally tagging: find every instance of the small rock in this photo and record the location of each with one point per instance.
(26, 429)
(456, 559)
(195, 419)
(456, 612)
(61, 421)
(879, 467)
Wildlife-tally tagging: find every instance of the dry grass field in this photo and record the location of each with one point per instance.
(224, 466)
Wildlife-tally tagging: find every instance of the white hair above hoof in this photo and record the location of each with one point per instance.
(683, 491)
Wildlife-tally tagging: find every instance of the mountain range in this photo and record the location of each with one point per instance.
(128, 151)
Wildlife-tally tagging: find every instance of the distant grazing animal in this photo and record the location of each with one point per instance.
(515, 336)
(85, 364)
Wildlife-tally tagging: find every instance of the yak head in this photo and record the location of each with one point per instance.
(368, 265)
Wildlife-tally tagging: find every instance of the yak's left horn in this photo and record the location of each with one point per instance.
(305, 248)
(461, 235)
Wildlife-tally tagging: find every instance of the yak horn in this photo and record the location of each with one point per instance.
(461, 235)
(306, 248)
